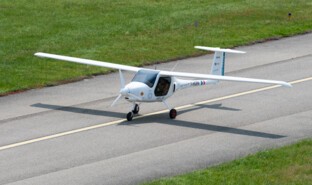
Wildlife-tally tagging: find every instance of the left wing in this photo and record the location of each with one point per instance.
(89, 62)
(225, 78)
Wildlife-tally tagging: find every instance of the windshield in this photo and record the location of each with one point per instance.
(146, 76)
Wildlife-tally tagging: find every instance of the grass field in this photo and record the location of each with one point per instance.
(288, 165)
(132, 32)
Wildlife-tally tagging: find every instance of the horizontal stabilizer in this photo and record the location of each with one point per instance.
(218, 49)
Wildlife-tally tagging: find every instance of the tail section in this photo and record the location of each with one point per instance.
(217, 67)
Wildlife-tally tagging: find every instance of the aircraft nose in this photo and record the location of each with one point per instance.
(124, 91)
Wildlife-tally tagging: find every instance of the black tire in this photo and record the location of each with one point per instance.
(136, 109)
(130, 116)
(173, 113)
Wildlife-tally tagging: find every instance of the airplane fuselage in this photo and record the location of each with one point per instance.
(152, 86)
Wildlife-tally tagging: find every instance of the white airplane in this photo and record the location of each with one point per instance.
(156, 85)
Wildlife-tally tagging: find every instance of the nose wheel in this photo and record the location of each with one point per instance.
(135, 110)
(130, 116)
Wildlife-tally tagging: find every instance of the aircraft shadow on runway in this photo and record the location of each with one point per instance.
(118, 114)
(204, 126)
(202, 106)
(162, 118)
(80, 110)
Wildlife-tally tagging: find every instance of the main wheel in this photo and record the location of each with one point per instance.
(129, 116)
(173, 113)
(136, 109)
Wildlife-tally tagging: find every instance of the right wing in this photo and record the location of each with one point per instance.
(224, 78)
(89, 62)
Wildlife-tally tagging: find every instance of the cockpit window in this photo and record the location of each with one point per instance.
(146, 76)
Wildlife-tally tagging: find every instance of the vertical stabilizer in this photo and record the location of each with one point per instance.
(217, 67)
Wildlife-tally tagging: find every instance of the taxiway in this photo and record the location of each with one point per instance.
(69, 134)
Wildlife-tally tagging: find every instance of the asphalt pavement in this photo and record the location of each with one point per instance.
(69, 134)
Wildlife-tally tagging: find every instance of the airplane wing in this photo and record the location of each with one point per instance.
(167, 73)
(225, 78)
(89, 62)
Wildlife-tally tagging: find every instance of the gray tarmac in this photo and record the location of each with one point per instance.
(113, 151)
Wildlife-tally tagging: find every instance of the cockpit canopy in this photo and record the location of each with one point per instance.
(146, 76)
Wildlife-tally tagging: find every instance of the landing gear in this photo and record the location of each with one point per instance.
(129, 116)
(173, 113)
(134, 111)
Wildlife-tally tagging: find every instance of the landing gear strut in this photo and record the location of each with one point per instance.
(135, 110)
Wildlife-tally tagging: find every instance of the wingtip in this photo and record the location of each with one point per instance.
(287, 85)
(42, 55)
(38, 54)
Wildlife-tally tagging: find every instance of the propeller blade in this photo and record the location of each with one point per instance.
(122, 79)
(115, 101)
(122, 84)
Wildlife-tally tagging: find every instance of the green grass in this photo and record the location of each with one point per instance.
(288, 165)
(135, 32)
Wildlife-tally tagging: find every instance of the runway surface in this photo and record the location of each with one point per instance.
(69, 134)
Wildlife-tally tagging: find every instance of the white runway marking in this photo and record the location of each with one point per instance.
(154, 113)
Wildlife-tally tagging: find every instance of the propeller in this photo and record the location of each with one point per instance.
(122, 87)
(116, 100)
(123, 90)
(122, 80)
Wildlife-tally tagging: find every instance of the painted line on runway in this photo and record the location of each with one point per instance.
(61, 134)
(146, 115)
